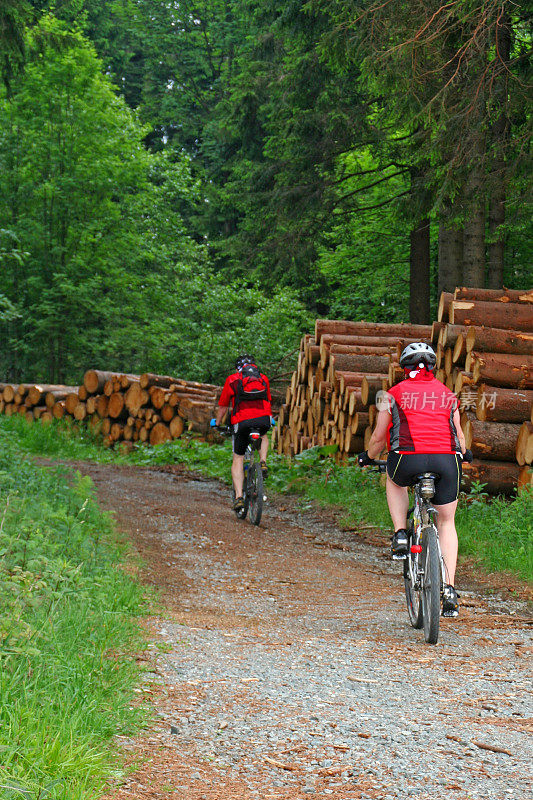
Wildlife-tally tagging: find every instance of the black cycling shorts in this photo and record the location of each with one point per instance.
(241, 431)
(404, 469)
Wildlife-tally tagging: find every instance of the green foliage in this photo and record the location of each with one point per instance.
(216, 320)
(14, 16)
(95, 214)
(505, 530)
(66, 633)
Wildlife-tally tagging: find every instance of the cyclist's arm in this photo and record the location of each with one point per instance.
(460, 434)
(378, 440)
(225, 401)
(221, 414)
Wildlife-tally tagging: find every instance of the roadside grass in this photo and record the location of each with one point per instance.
(497, 534)
(67, 630)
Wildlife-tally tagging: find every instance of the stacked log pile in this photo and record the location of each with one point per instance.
(331, 399)
(484, 345)
(485, 354)
(130, 408)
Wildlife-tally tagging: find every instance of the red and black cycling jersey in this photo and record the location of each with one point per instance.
(246, 409)
(422, 410)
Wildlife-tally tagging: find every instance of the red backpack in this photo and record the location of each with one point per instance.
(250, 386)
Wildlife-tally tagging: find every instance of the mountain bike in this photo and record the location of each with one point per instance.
(424, 572)
(253, 496)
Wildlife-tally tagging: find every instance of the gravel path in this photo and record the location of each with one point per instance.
(285, 667)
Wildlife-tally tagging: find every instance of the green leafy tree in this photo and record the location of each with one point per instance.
(94, 212)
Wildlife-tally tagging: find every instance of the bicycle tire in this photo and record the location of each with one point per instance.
(255, 493)
(412, 595)
(431, 588)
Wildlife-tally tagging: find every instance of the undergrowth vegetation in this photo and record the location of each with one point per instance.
(66, 628)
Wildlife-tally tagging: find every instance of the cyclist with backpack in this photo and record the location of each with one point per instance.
(246, 395)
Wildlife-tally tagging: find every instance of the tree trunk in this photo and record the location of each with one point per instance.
(503, 405)
(345, 327)
(501, 370)
(495, 441)
(38, 391)
(58, 410)
(80, 412)
(525, 477)
(359, 422)
(353, 443)
(445, 302)
(352, 362)
(499, 135)
(71, 401)
(148, 379)
(462, 381)
(499, 477)
(451, 333)
(135, 398)
(345, 379)
(474, 227)
(419, 273)
(514, 316)
(116, 408)
(499, 340)
(369, 389)
(361, 349)
(94, 380)
(176, 427)
(450, 257)
(524, 444)
(55, 395)
(495, 295)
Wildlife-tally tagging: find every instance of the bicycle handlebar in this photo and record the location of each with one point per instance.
(224, 430)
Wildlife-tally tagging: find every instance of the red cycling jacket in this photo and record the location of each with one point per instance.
(422, 410)
(247, 409)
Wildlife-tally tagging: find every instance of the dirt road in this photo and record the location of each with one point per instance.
(284, 666)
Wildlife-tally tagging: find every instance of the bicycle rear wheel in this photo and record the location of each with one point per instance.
(255, 493)
(431, 588)
(412, 595)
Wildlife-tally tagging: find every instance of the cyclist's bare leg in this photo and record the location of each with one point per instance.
(263, 452)
(448, 538)
(398, 500)
(237, 474)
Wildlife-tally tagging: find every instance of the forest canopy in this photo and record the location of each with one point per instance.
(179, 181)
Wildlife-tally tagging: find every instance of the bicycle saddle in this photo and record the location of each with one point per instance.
(434, 476)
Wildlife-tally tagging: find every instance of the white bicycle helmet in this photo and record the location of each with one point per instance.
(418, 353)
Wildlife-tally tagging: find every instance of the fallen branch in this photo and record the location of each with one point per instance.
(492, 748)
(278, 764)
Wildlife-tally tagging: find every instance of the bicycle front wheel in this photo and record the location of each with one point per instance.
(431, 589)
(255, 493)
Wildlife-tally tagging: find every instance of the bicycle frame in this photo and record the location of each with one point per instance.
(422, 515)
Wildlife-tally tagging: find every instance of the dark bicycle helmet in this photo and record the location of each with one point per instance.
(244, 359)
(418, 353)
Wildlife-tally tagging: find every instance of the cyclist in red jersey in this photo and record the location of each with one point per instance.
(419, 422)
(246, 395)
